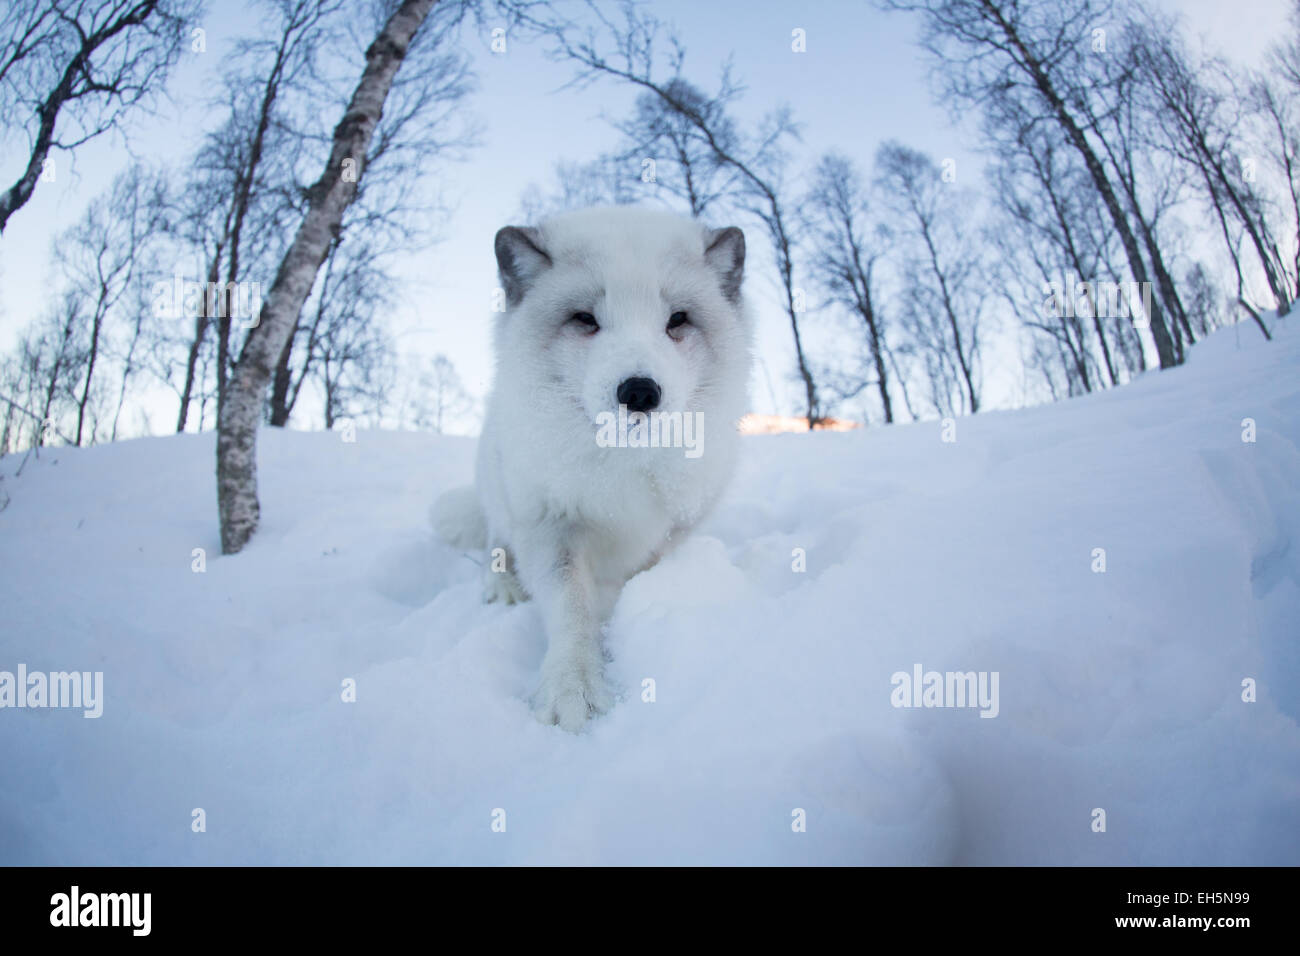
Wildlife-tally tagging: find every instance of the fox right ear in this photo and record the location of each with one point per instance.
(725, 253)
(520, 260)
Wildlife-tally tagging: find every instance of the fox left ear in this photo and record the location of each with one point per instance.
(724, 251)
(520, 260)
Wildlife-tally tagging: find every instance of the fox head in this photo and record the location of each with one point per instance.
(624, 306)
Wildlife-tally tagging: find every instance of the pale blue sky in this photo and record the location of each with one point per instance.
(861, 81)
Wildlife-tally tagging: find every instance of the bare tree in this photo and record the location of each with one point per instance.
(684, 163)
(845, 249)
(328, 199)
(340, 326)
(448, 393)
(1280, 136)
(101, 256)
(73, 68)
(1051, 233)
(354, 356)
(136, 319)
(1198, 110)
(148, 207)
(241, 189)
(287, 383)
(1037, 53)
(39, 387)
(1151, 183)
(944, 274)
(1275, 94)
(391, 214)
(429, 395)
(603, 181)
(661, 155)
(756, 163)
(1205, 300)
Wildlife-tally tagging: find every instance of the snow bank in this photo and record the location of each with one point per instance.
(1120, 691)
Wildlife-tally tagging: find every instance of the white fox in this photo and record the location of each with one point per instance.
(606, 307)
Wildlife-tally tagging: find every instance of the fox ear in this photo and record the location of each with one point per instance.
(520, 260)
(724, 251)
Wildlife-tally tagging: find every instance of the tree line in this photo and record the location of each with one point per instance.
(1110, 141)
(161, 281)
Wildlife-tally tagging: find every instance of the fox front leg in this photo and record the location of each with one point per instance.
(572, 687)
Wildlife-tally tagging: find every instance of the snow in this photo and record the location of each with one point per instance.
(1119, 690)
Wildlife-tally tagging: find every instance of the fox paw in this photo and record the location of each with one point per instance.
(503, 586)
(570, 698)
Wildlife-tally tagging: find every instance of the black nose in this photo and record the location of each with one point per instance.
(639, 394)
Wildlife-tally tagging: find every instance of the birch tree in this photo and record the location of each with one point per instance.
(102, 256)
(240, 195)
(394, 211)
(328, 200)
(845, 251)
(945, 279)
(1037, 53)
(1198, 110)
(70, 70)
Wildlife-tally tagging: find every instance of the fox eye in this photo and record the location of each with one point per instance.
(676, 321)
(586, 321)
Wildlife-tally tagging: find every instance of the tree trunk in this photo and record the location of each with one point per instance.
(861, 275)
(1254, 229)
(280, 387)
(1076, 260)
(1236, 263)
(1168, 290)
(96, 326)
(200, 327)
(243, 192)
(785, 262)
(285, 389)
(882, 377)
(950, 312)
(200, 333)
(223, 349)
(328, 198)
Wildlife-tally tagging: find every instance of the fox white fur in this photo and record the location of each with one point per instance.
(574, 520)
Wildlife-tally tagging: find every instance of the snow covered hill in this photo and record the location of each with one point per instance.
(774, 689)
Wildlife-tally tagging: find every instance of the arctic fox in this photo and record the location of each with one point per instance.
(622, 367)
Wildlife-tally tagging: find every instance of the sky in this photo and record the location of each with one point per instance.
(861, 81)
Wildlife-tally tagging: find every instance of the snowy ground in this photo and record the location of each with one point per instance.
(1119, 690)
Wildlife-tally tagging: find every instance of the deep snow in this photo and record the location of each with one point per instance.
(1119, 690)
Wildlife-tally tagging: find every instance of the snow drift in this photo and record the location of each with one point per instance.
(224, 689)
